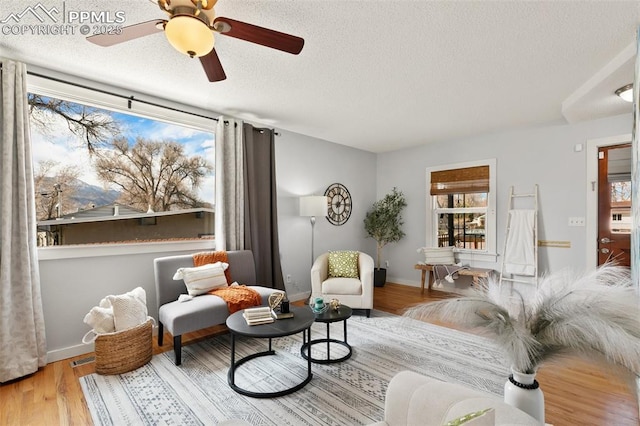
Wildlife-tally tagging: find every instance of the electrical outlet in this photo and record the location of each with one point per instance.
(386, 264)
(576, 221)
(288, 278)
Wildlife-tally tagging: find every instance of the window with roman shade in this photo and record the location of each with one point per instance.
(461, 207)
(464, 180)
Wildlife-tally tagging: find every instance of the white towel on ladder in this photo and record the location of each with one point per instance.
(519, 256)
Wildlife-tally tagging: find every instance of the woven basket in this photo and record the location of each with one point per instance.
(125, 350)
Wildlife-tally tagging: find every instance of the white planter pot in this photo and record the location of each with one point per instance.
(523, 392)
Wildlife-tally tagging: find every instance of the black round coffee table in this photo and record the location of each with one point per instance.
(330, 315)
(302, 320)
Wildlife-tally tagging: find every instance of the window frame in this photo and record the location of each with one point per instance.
(489, 254)
(105, 97)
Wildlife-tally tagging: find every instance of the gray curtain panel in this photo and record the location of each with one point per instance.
(229, 186)
(261, 212)
(635, 172)
(22, 339)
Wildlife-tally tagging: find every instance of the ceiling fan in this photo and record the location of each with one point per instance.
(190, 30)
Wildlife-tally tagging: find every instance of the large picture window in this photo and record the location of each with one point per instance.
(461, 208)
(113, 176)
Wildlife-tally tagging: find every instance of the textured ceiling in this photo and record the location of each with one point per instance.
(375, 75)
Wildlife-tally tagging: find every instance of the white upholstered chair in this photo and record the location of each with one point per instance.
(414, 399)
(356, 293)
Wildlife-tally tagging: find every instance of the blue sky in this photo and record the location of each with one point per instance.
(63, 147)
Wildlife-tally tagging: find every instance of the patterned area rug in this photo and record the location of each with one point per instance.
(347, 393)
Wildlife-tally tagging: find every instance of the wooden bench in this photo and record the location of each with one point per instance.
(476, 273)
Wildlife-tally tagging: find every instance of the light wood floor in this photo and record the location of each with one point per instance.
(576, 392)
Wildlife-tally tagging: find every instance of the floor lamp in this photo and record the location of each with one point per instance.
(313, 205)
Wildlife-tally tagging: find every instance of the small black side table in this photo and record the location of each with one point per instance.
(342, 314)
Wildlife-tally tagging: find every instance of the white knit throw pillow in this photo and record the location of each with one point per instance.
(129, 309)
(100, 319)
(201, 279)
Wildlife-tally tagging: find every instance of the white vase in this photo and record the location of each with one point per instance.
(523, 392)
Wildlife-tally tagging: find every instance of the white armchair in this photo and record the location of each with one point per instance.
(356, 293)
(414, 399)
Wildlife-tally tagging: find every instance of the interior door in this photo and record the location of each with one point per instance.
(614, 204)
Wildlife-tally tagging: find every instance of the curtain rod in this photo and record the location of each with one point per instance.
(129, 99)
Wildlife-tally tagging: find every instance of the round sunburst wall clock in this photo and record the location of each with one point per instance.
(339, 204)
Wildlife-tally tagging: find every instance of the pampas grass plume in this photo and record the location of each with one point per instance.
(594, 315)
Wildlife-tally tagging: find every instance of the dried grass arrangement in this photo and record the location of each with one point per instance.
(595, 315)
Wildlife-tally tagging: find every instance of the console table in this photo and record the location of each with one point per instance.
(476, 273)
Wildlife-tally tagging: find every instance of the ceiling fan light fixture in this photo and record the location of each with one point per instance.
(626, 92)
(190, 35)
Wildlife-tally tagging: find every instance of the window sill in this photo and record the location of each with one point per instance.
(100, 250)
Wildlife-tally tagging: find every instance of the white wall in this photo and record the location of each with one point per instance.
(543, 156)
(307, 166)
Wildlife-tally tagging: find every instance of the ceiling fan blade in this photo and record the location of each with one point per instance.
(259, 35)
(212, 66)
(129, 33)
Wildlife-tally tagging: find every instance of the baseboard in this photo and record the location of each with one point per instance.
(70, 352)
(463, 280)
(410, 283)
(299, 296)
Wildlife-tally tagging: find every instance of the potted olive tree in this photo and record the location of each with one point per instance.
(383, 223)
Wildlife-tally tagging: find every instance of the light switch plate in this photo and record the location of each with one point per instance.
(576, 221)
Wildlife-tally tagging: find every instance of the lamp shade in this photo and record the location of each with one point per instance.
(189, 35)
(313, 205)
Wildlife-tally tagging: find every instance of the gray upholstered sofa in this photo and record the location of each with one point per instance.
(202, 311)
(413, 399)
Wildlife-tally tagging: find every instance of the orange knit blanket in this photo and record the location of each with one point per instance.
(205, 257)
(237, 297)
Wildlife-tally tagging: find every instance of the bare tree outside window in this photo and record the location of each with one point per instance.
(56, 188)
(153, 174)
(621, 192)
(91, 125)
